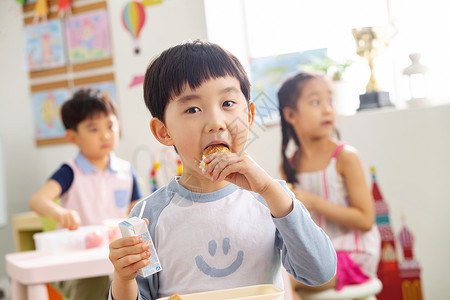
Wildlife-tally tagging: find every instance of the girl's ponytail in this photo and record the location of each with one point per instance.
(288, 169)
(288, 94)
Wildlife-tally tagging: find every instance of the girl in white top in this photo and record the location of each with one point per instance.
(328, 178)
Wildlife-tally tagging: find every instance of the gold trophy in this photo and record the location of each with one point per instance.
(369, 43)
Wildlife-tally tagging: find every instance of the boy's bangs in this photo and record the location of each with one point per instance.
(195, 70)
(188, 65)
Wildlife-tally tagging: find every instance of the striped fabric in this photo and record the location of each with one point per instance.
(363, 248)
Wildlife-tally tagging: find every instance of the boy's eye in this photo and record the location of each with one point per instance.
(93, 129)
(315, 102)
(192, 110)
(228, 103)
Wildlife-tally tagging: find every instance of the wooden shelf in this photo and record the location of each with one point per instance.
(25, 225)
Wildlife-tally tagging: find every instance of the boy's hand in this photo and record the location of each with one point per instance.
(128, 255)
(67, 218)
(239, 169)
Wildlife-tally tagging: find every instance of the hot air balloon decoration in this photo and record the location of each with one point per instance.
(133, 19)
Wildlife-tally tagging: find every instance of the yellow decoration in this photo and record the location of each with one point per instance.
(40, 10)
(151, 2)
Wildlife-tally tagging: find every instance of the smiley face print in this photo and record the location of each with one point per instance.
(222, 272)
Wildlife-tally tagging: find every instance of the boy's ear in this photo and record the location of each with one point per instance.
(251, 113)
(71, 136)
(160, 132)
(288, 114)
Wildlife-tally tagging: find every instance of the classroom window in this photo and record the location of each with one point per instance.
(262, 28)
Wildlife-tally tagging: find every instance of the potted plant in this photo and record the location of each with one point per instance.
(328, 66)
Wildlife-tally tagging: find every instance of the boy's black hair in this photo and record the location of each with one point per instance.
(190, 63)
(85, 104)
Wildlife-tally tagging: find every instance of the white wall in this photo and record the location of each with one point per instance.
(3, 216)
(410, 151)
(27, 166)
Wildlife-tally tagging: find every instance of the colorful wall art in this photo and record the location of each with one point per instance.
(46, 113)
(88, 37)
(44, 45)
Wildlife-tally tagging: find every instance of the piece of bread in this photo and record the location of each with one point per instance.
(210, 150)
(175, 297)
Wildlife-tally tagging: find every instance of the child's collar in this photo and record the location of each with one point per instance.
(200, 197)
(87, 167)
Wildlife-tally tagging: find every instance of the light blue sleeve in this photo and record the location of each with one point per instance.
(307, 252)
(156, 202)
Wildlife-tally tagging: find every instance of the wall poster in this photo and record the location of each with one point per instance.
(88, 37)
(46, 113)
(44, 45)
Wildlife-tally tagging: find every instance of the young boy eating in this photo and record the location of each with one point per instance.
(228, 224)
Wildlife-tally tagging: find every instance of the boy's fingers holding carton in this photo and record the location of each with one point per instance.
(126, 241)
(127, 245)
(129, 271)
(129, 255)
(132, 263)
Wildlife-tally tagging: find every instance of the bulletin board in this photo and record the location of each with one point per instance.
(64, 55)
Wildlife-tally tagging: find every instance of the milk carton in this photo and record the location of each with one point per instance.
(137, 227)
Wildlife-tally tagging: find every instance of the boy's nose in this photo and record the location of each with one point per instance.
(215, 125)
(215, 122)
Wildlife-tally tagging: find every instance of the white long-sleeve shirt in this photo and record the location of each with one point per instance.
(227, 239)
